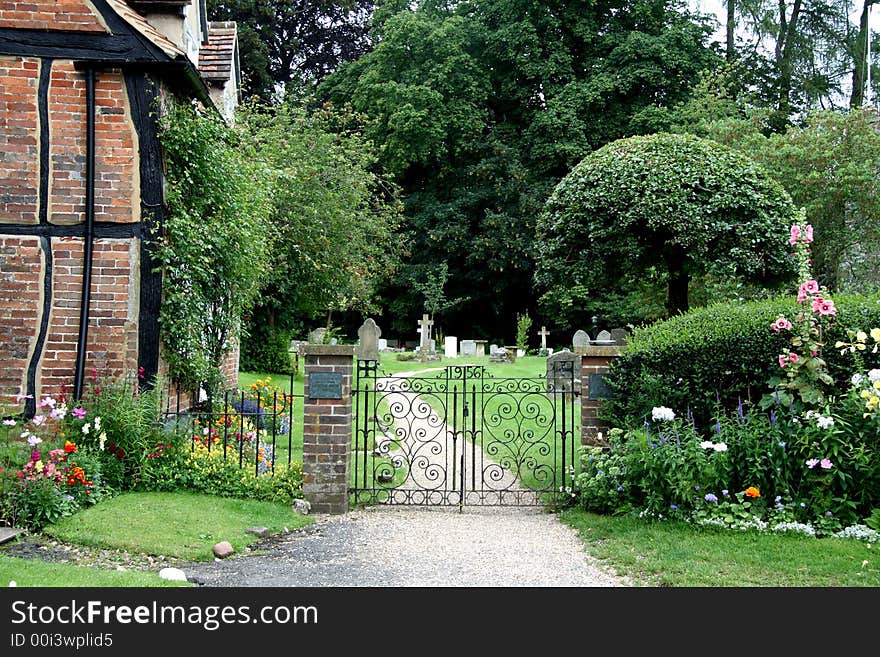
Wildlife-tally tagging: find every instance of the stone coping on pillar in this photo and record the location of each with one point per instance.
(598, 350)
(327, 349)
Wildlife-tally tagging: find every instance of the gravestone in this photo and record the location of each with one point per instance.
(450, 346)
(383, 344)
(426, 344)
(481, 347)
(619, 336)
(544, 333)
(468, 348)
(603, 339)
(317, 336)
(368, 340)
(500, 355)
(492, 349)
(564, 372)
(580, 339)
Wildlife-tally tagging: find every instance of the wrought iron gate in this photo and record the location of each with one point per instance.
(463, 437)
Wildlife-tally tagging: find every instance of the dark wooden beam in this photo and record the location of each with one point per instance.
(103, 230)
(111, 49)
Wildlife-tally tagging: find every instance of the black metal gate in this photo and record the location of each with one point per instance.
(459, 436)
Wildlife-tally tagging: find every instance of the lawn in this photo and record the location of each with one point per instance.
(677, 554)
(181, 525)
(35, 572)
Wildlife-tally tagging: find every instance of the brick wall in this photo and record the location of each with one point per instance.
(594, 360)
(52, 15)
(327, 431)
(19, 146)
(21, 264)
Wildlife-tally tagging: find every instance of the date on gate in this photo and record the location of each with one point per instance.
(325, 385)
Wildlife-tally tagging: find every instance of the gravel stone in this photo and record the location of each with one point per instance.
(417, 546)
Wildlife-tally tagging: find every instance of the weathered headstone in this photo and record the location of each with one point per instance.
(619, 336)
(426, 344)
(563, 372)
(544, 333)
(383, 344)
(493, 348)
(580, 339)
(296, 344)
(368, 340)
(450, 346)
(468, 348)
(604, 338)
(481, 347)
(317, 336)
(500, 355)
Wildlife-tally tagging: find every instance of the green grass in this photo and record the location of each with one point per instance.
(671, 553)
(181, 525)
(287, 448)
(34, 572)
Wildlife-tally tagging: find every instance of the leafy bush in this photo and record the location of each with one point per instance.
(265, 349)
(720, 355)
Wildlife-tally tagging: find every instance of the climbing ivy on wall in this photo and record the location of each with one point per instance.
(214, 244)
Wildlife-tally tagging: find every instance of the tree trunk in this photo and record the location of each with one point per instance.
(860, 58)
(731, 29)
(784, 53)
(679, 281)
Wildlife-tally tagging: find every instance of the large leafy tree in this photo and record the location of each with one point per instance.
(481, 107)
(666, 206)
(284, 43)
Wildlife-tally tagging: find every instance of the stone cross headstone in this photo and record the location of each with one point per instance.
(425, 343)
(619, 336)
(543, 333)
(580, 339)
(368, 340)
(563, 372)
(317, 336)
(450, 346)
(604, 338)
(468, 348)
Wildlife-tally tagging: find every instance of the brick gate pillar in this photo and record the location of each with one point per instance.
(327, 426)
(595, 361)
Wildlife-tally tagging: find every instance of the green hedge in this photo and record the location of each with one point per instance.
(725, 352)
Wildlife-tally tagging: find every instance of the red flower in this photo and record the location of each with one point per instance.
(69, 447)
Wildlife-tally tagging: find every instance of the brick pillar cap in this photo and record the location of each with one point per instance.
(327, 349)
(595, 350)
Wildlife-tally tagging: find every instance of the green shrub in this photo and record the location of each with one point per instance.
(720, 354)
(265, 349)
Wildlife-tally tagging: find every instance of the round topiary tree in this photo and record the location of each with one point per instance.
(674, 205)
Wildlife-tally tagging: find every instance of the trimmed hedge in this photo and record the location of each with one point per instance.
(722, 353)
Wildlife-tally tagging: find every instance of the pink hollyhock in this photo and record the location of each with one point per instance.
(810, 287)
(824, 306)
(782, 360)
(795, 234)
(808, 233)
(781, 324)
(793, 358)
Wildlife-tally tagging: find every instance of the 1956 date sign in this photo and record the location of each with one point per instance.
(325, 385)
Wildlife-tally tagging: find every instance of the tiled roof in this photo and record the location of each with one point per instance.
(140, 23)
(217, 57)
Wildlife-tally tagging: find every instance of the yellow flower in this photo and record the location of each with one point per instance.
(861, 336)
(865, 394)
(860, 346)
(875, 334)
(877, 384)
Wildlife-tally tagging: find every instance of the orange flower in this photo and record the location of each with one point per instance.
(69, 447)
(751, 491)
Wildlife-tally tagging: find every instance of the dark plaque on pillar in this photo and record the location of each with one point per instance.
(599, 388)
(325, 385)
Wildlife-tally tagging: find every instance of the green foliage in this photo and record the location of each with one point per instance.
(333, 215)
(214, 244)
(719, 354)
(523, 326)
(666, 203)
(265, 349)
(831, 167)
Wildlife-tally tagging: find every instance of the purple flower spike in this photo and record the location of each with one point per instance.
(711, 498)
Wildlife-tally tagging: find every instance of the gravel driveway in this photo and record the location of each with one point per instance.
(417, 546)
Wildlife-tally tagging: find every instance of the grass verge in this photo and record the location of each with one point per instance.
(676, 554)
(181, 525)
(34, 572)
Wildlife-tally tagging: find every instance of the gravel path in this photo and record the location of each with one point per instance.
(417, 546)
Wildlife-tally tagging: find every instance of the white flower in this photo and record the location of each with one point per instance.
(811, 414)
(874, 375)
(9, 423)
(720, 447)
(824, 422)
(85, 429)
(101, 440)
(707, 444)
(97, 424)
(203, 396)
(857, 379)
(59, 412)
(663, 413)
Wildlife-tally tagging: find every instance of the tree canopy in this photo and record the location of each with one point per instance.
(665, 206)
